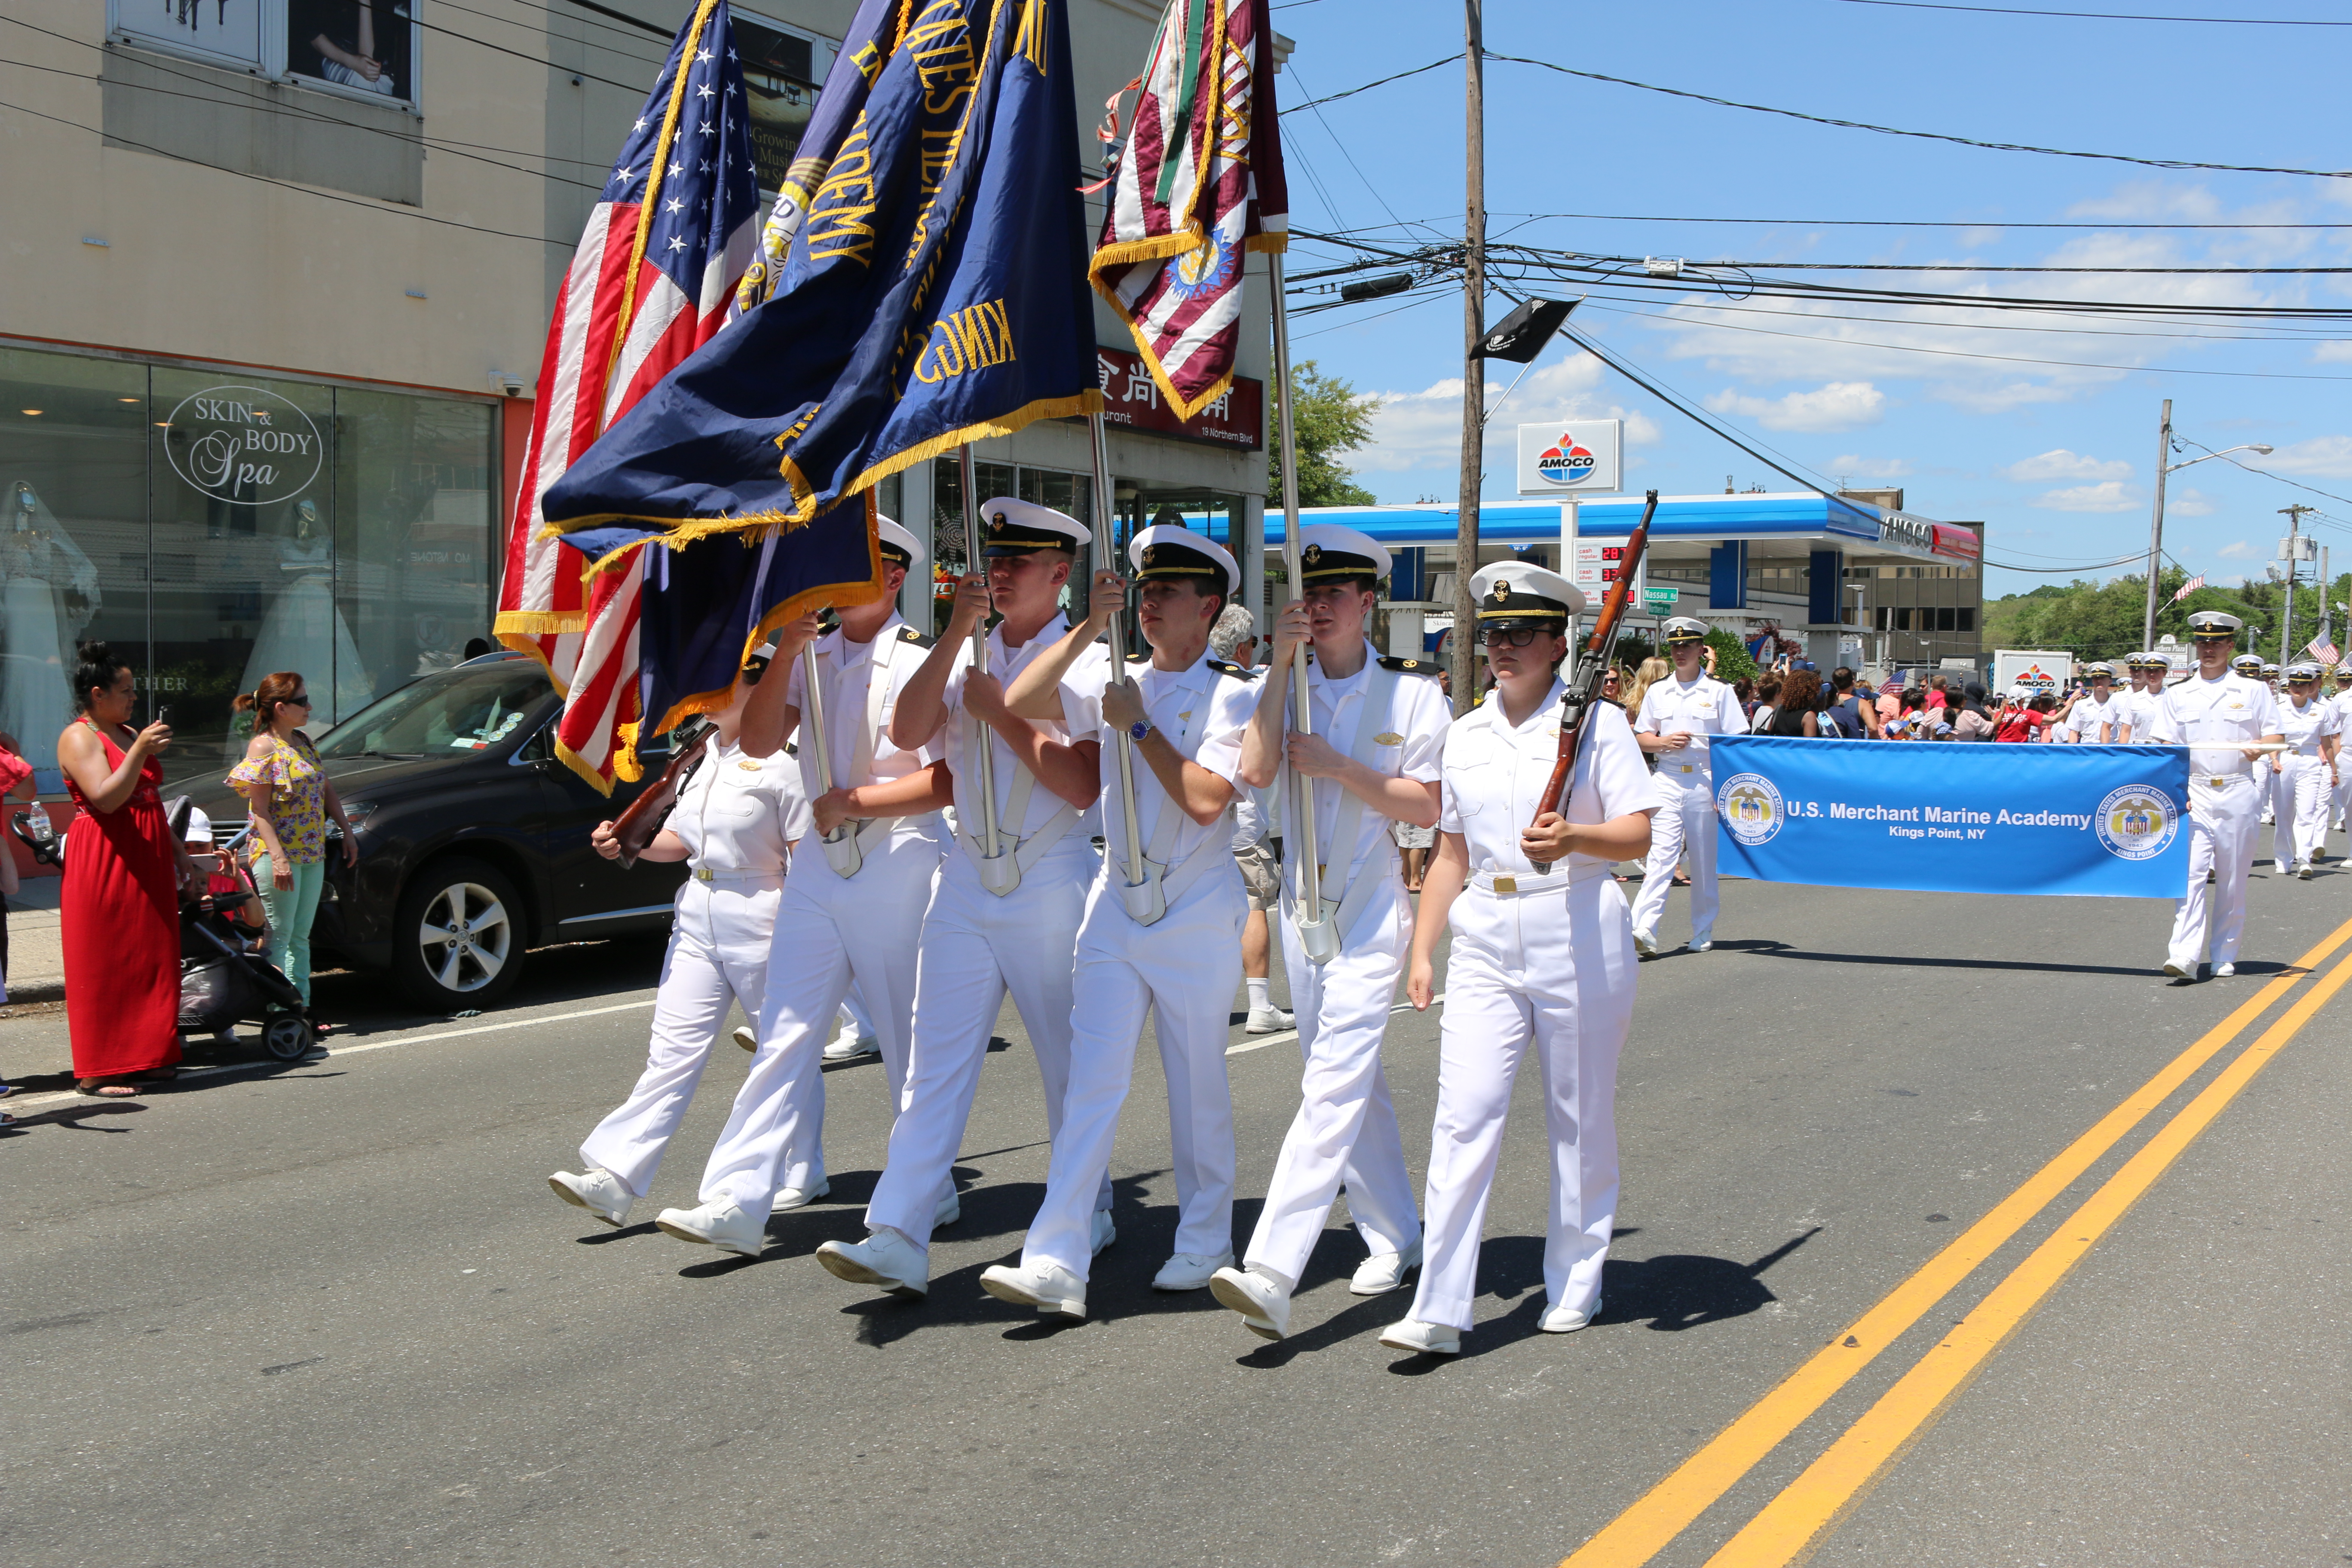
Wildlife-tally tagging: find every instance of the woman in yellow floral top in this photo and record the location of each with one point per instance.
(290, 798)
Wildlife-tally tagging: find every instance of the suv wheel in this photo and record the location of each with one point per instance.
(458, 942)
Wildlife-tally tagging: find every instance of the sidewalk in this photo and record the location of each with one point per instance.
(37, 963)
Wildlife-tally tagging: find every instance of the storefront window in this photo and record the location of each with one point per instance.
(73, 540)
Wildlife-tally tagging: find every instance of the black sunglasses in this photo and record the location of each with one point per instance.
(1516, 637)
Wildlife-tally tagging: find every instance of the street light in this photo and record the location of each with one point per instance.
(2156, 528)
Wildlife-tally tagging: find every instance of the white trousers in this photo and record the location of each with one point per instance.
(2222, 825)
(827, 929)
(1684, 824)
(1184, 970)
(2308, 788)
(977, 947)
(1346, 1129)
(718, 954)
(1575, 1006)
(2343, 797)
(2278, 801)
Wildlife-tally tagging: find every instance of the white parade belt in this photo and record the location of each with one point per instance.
(722, 877)
(1522, 884)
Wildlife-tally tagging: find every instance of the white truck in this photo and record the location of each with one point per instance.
(2036, 669)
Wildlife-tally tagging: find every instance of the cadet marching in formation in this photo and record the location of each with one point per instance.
(1044, 746)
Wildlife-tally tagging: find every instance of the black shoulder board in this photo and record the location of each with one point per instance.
(909, 634)
(1239, 672)
(1404, 666)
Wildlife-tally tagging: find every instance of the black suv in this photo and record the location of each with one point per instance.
(473, 836)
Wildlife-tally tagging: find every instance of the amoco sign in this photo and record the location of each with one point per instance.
(244, 445)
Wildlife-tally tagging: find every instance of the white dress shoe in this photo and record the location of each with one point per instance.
(1645, 943)
(1384, 1271)
(2303, 871)
(951, 1209)
(1269, 1020)
(1565, 1320)
(2176, 971)
(598, 1191)
(1701, 943)
(787, 1199)
(721, 1223)
(2225, 972)
(849, 1045)
(1048, 1287)
(1190, 1271)
(1427, 1339)
(884, 1259)
(1105, 1232)
(1264, 1304)
(745, 1037)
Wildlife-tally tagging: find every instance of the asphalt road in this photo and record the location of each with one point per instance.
(329, 1314)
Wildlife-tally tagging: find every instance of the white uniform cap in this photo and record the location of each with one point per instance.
(1169, 550)
(1011, 526)
(200, 826)
(2214, 623)
(1326, 549)
(1540, 591)
(2247, 664)
(2101, 667)
(2303, 669)
(899, 539)
(1684, 627)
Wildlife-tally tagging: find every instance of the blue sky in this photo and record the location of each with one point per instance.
(2057, 459)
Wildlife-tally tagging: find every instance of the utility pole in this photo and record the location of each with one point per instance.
(2156, 528)
(2293, 515)
(1465, 662)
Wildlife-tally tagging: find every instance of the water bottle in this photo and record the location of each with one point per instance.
(37, 823)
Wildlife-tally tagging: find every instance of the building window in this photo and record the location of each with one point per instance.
(366, 46)
(782, 67)
(1967, 621)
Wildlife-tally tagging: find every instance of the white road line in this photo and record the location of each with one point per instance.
(63, 1097)
(1265, 1040)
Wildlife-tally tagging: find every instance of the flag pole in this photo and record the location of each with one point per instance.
(991, 843)
(1316, 934)
(1115, 635)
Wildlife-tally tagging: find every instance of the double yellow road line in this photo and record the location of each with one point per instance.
(1833, 1484)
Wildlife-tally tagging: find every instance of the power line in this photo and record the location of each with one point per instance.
(1894, 130)
(2095, 15)
(387, 211)
(1368, 86)
(1910, 222)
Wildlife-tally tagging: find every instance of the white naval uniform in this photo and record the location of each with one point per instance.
(829, 928)
(2083, 720)
(1686, 817)
(1185, 967)
(1547, 959)
(2138, 709)
(1346, 1129)
(2216, 718)
(2304, 771)
(738, 817)
(2343, 703)
(977, 946)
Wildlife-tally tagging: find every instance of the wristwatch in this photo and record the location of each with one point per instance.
(1140, 729)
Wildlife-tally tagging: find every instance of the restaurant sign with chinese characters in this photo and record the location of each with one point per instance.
(1133, 399)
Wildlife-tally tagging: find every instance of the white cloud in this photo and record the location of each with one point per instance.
(2336, 353)
(2062, 464)
(1414, 430)
(1872, 467)
(2112, 496)
(2188, 503)
(2328, 457)
(2241, 551)
(1836, 406)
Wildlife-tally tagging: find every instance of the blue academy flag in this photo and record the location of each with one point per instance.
(935, 293)
(1935, 816)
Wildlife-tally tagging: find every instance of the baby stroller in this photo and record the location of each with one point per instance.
(222, 981)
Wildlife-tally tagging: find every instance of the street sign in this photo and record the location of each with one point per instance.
(1661, 601)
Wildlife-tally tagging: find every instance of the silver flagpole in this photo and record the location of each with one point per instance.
(1317, 936)
(991, 843)
(1123, 749)
(841, 851)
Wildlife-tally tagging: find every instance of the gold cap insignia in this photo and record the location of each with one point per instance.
(1151, 554)
(1314, 553)
(1502, 592)
(996, 523)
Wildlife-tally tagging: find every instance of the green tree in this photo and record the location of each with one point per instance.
(1332, 418)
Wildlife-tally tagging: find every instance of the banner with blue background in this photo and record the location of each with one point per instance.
(1943, 816)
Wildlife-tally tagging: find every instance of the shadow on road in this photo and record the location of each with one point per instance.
(1767, 947)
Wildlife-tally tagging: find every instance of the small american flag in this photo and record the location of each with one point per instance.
(2188, 587)
(672, 234)
(2322, 650)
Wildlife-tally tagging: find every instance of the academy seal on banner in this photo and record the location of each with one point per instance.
(2082, 821)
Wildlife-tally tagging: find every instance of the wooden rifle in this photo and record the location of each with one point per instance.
(1592, 669)
(634, 828)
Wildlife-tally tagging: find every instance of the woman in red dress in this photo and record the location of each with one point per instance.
(118, 909)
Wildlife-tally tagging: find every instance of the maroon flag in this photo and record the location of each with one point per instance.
(1199, 187)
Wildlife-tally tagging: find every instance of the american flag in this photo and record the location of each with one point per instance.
(663, 251)
(2322, 650)
(2188, 587)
